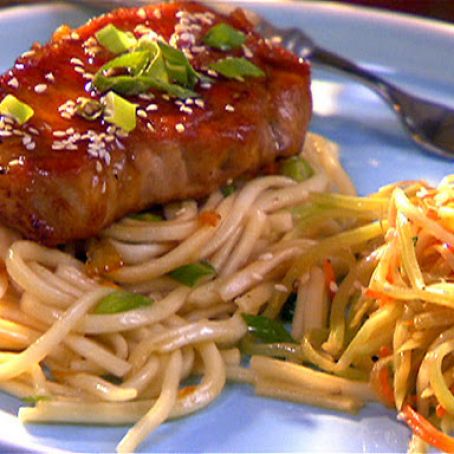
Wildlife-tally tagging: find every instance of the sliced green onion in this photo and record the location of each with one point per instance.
(266, 329)
(224, 37)
(146, 216)
(18, 110)
(178, 67)
(115, 40)
(90, 109)
(120, 112)
(137, 72)
(35, 399)
(297, 168)
(237, 68)
(228, 189)
(121, 301)
(190, 274)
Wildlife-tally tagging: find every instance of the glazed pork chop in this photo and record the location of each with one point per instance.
(141, 106)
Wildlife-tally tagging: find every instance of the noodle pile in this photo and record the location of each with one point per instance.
(366, 284)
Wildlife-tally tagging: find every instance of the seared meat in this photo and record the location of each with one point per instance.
(64, 177)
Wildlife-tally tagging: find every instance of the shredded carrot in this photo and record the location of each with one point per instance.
(384, 351)
(386, 390)
(330, 278)
(440, 411)
(379, 296)
(183, 392)
(210, 218)
(432, 214)
(426, 431)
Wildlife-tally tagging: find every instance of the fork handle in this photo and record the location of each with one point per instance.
(324, 57)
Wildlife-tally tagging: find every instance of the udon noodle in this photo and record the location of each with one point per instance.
(370, 279)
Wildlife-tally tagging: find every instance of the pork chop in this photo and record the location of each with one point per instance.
(64, 176)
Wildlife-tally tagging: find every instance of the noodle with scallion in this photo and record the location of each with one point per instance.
(109, 332)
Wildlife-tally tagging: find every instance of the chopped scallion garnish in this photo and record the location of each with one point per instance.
(146, 216)
(115, 40)
(121, 301)
(228, 189)
(90, 109)
(190, 274)
(119, 111)
(18, 110)
(266, 329)
(224, 37)
(237, 68)
(296, 168)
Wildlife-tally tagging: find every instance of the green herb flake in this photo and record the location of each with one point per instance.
(296, 168)
(266, 329)
(191, 274)
(415, 240)
(146, 216)
(121, 301)
(35, 399)
(237, 68)
(224, 37)
(120, 112)
(228, 189)
(115, 40)
(18, 110)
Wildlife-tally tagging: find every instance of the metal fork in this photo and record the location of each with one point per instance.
(431, 125)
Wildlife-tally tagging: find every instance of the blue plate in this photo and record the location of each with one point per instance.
(414, 53)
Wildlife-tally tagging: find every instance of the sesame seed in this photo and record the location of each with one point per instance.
(166, 97)
(29, 53)
(141, 113)
(26, 140)
(142, 13)
(150, 127)
(229, 108)
(58, 145)
(178, 102)
(146, 96)
(281, 288)
(75, 35)
(200, 103)
(98, 166)
(33, 131)
(77, 61)
(5, 134)
(19, 66)
(40, 88)
(276, 39)
(66, 115)
(205, 85)
(59, 133)
(151, 107)
(189, 101)
(30, 146)
(186, 109)
(79, 69)
(13, 83)
(180, 127)
(198, 49)
(88, 76)
(212, 73)
(247, 52)
(70, 131)
(49, 77)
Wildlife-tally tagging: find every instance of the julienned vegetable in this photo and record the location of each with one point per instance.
(115, 40)
(224, 37)
(237, 68)
(121, 301)
(266, 329)
(119, 111)
(191, 274)
(18, 110)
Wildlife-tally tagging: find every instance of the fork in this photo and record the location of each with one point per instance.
(430, 125)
